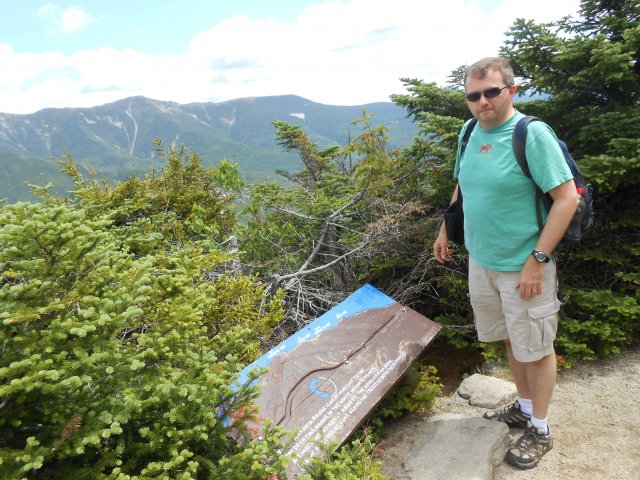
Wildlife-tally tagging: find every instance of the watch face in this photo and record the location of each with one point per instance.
(540, 256)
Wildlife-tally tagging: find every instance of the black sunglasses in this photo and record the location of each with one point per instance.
(488, 93)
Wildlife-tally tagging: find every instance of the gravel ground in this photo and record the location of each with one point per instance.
(594, 418)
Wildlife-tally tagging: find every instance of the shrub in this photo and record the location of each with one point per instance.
(353, 461)
(605, 327)
(122, 367)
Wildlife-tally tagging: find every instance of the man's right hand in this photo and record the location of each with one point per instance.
(441, 249)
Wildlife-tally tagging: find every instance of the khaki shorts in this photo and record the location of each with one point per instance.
(500, 313)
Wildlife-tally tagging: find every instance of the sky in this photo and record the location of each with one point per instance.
(83, 53)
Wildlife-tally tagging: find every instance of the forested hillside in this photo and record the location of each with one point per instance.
(117, 139)
(128, 309)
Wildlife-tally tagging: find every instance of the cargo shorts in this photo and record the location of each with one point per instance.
(500, 314)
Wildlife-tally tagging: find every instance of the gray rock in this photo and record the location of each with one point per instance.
(487, 392)
(453, 446)
(490, 368)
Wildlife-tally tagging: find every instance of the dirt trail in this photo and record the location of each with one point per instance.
(594, 418)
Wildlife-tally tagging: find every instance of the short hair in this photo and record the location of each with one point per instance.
(499, 64)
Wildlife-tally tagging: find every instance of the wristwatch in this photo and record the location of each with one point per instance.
(540, 256)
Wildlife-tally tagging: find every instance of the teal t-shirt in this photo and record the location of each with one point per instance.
(501, 228)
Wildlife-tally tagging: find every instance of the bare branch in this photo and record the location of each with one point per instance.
(300, 273)
(328, 222)
(296, 214)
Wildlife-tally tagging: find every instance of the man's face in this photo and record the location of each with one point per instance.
(490, 112)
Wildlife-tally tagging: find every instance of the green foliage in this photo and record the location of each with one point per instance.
(493, 352)
(415, 391)
(611, 174)
(316, 163)
(351, 462)
(433, 152)
(429, 98)
(589, 67)
(123, 366)
(601, 321)
(259, 460)
(184, 201)
(607, 324)
(325, 232)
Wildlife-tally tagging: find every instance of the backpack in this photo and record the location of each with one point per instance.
(582, 221)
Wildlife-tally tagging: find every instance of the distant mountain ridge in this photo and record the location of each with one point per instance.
(116, 139)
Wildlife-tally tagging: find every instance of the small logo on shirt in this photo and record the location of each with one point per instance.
(485, 148)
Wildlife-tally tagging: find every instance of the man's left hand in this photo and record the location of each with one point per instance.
(531, 279)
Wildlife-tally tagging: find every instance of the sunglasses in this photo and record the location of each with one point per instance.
(488, 93)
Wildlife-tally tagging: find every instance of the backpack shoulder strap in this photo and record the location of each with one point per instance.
(467, 134)
(463, 147)
(519, 140)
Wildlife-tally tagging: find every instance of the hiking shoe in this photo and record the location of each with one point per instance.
(511, 415)
(529, 448)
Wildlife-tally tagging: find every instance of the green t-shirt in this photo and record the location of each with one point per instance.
(501, 228)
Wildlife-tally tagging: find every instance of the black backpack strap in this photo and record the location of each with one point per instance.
(463, 146)
(519, 141)
(467, 134)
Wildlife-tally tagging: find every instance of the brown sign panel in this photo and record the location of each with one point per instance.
(326, 379)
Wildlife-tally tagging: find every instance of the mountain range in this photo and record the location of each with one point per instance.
(117, 139)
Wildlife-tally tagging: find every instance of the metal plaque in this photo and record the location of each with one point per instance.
(324, 380)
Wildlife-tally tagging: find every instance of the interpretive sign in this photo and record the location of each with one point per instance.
(324, 380)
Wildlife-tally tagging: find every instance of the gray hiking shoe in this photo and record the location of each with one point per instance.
(511, 415)
(529, 448)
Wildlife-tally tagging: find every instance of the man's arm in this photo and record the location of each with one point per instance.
(441, 249)
(565, 203)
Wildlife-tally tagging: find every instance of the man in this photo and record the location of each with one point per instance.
(512, 282)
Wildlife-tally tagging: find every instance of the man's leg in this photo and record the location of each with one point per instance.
(518, 372)
(534, 380)
(518, 414)
(531, 330)
(541, 378)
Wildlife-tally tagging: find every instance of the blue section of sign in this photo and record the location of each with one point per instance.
(365, 298)
(316, 390)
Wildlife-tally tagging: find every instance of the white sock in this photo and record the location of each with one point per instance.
(526, 405)
(541, 425)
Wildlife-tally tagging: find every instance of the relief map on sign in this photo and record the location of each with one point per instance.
(340, 407)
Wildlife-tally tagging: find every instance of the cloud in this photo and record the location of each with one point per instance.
(67, 21)
(221, 64)
(76, 18)
(338, 52)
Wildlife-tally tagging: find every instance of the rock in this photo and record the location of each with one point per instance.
(461, 446)
(487, 392)
(494, 368)
(453, 446)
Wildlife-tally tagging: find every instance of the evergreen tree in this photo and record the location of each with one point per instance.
(122, 338)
